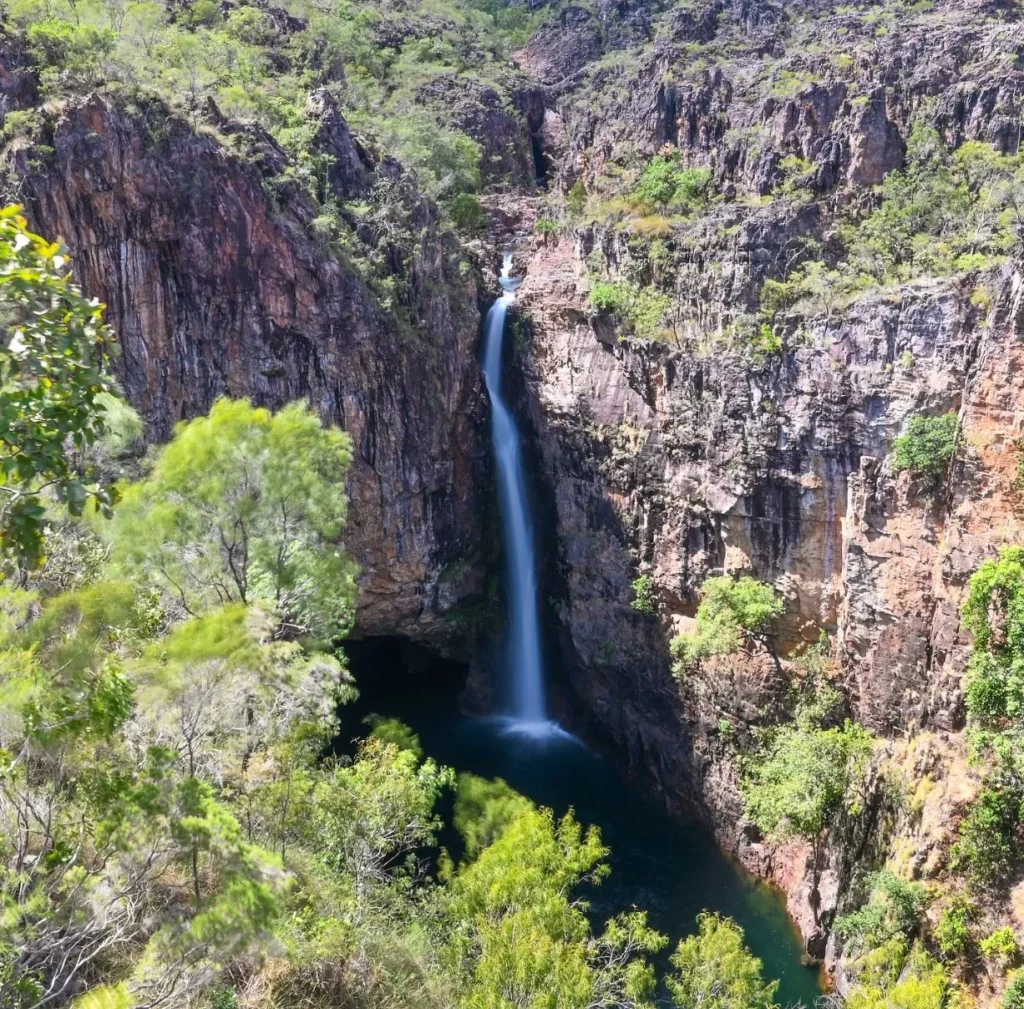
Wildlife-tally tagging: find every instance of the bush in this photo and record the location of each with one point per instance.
(894, 908)
(986, 846)
(715, 970)
(803, 779)
(927, 447)
(642, 309)
(577, 198)
(953, 930)
(730, 610)
(666, 183)
(643, 595)
(1001, 945)
(994, 614)
(467, 214)
(1013, 997)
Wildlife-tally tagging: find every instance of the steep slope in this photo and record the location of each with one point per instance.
(713, 446)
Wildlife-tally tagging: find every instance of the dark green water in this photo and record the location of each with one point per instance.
(671, 870)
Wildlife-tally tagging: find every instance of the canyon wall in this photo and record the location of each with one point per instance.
(216, 286)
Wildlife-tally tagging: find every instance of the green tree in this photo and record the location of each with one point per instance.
(666, 183)
(54, 350)
(518, 937)
(894, 908)
(483, 810)
(731, 611)
(928, 446)
(368, 817)
(803, 779)
(715, 970)
(246, 506)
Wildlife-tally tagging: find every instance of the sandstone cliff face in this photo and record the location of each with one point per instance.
(679, 460)
(680, 466)
(215, 291)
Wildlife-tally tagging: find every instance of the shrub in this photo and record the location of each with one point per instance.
(640, 308)
(985, 846)
(730, 610)
(577, 198)
(643, 595)
(466, 213)
(665, 182)
(803, 780)
(1013, 997)
(953, 930)
(715, 970)
(927, 447)
(894, 908)
(993, 612)
(1001, 945)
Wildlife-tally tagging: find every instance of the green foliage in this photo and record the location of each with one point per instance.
(391, 730)
(1013, 996)
(986, 845)
(1001, 946)
(953, 930)
(447, 161)
(483, 811)
(666, 183)
(715, 970)
(523, 939)
(804, 776)
(365, 817)
(928, 446)
(577, 198)
(945, 212)
(642, 309)
(643, 595)
(894, 909)
(993, 612)
(898, 976)
(467, 214)
(730, 611)
(245, 506)
(53, 357)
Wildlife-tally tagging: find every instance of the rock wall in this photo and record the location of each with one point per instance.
(680, 466)
(215, 287)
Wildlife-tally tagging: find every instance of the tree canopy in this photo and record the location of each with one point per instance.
(54, 388)
(246, 506)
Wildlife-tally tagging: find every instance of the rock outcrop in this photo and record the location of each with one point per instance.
(213, 292)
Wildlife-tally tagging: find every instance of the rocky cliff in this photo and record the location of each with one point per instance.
(684, 457)
(216, 285)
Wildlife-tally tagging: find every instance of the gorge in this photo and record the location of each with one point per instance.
(756, 242)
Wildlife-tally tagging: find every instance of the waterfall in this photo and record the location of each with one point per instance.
(524, 667)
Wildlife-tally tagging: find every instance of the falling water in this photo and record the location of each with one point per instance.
(524, 666)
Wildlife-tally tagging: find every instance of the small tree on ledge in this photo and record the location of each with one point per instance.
(731, 612)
